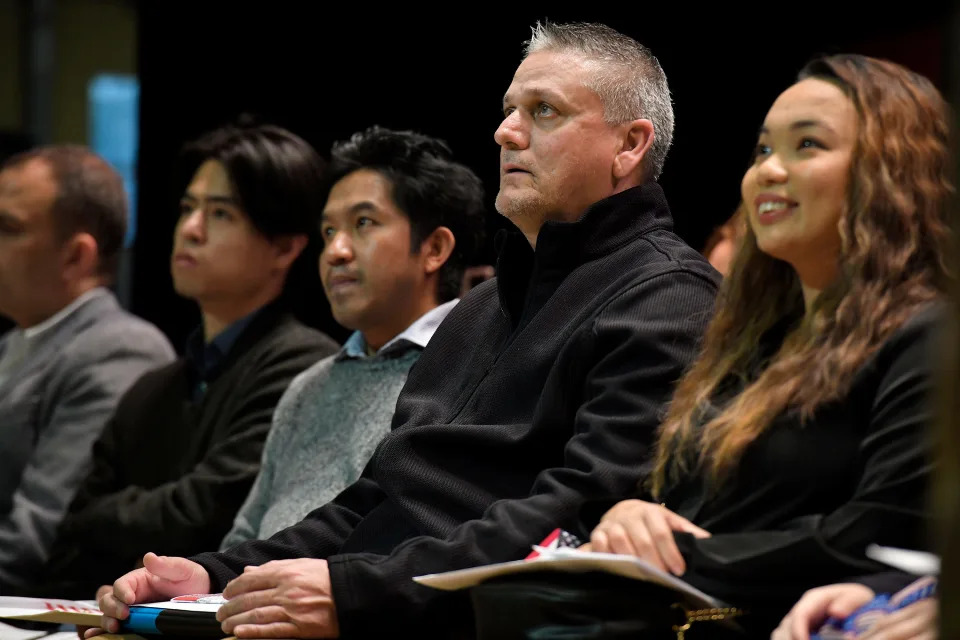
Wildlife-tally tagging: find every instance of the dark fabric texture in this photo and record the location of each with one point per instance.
(886, 582)
(586, 606)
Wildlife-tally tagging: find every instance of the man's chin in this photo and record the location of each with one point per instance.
(188, 290)
(514, 205)
(349, 319)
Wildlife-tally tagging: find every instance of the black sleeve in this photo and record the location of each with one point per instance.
(639, 345)
(318, 535)
(887, 507)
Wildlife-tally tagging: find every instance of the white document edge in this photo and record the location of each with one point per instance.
(181, 606)
(918, 563)
(567, 560)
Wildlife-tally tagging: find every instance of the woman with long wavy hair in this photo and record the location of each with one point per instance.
(800, 435)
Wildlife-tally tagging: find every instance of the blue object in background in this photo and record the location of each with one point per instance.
(114, 132)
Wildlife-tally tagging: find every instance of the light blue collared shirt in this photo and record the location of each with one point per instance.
(418, 333)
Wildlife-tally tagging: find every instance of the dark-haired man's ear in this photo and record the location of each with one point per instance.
(288, 248)
(80, 256)
(436, 248)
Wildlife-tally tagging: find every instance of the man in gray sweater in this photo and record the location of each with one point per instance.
(73, 351)
(398, 227)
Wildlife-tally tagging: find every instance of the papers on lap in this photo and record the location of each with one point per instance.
(185, 615)
(569, 560)
(51, 610)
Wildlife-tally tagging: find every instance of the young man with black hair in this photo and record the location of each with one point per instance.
(178, 457)
(398, 227)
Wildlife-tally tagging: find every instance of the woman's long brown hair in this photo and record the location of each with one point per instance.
(893, 260)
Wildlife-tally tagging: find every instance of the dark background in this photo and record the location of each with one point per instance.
(326, 71)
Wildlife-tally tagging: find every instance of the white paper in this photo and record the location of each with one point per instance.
(918, 563)
(569, 560)
(10, 632)
(85, 612)
(50, 610)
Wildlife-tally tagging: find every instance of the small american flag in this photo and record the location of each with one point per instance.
(558, 539)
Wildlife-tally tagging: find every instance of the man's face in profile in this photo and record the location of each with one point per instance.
(556, 149)
(30, 249)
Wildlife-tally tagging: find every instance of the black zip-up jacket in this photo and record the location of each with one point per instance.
(541, 390)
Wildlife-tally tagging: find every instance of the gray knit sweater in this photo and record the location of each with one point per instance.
(325, 429)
